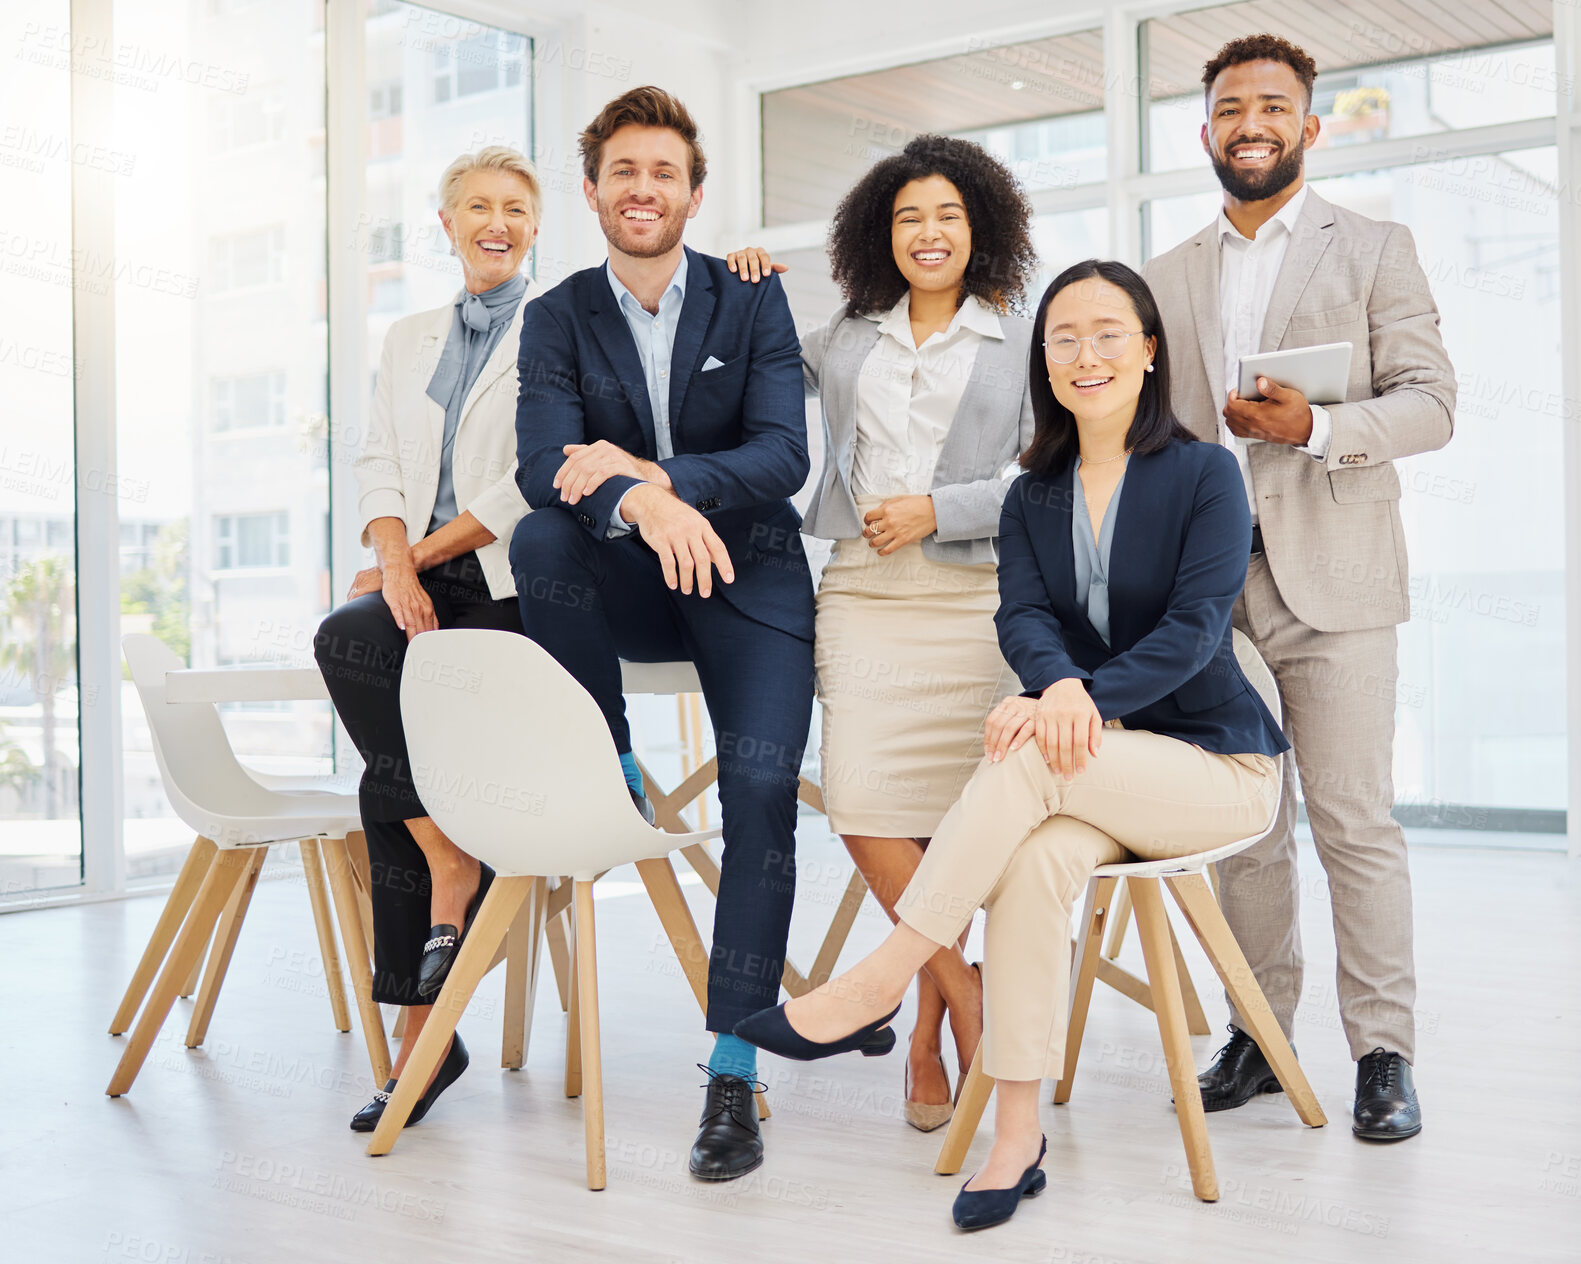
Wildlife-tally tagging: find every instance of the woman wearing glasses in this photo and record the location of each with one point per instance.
(436, 482)
(1122, 550)
(922, 379)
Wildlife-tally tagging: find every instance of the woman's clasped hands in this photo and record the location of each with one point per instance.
(1063, 721)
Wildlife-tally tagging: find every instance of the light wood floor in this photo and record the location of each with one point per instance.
(239, 1153)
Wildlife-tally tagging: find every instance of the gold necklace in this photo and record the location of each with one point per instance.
(1107, 459)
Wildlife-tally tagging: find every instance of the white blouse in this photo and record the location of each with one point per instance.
(907, 397)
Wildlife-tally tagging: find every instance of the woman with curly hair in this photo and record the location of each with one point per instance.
(922, 376)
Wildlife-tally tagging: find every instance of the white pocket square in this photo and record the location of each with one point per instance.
(711, 363)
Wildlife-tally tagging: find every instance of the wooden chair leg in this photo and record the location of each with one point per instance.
(839, 930)
(975, 1092)
(177, 904)
(361, 878)
(1213, 879)
(1152, 925)
(1084, 969)
(521, 976)
(230, 927)
(1196, 1020)
(318, 897)
(1218, 941)
(221, 878)
(587, 1016)
(1119, 920)
(341, 886)
(189, 985)
(493, 920)
(559, 958)
(573, 1023)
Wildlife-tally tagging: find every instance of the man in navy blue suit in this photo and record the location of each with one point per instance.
(659, 430)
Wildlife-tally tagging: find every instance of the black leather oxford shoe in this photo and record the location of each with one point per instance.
(1238, 1074)
(728, 1143)
(1386, 1105)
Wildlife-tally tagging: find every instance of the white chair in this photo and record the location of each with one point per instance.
(515, 763)
(1184, 877)
(237, 816)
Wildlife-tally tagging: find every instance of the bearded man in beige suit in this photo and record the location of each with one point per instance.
(1327, 584)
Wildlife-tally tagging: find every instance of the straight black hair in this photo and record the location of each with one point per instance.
(1054, 440)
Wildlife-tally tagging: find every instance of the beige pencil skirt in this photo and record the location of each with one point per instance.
(908, 668)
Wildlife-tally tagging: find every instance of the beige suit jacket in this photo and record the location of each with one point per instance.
(1331, 528)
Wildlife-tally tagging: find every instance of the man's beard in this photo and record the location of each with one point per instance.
(616, 232)
(1255, 186)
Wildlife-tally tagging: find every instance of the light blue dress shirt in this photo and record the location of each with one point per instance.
(1092, 553)
(655, 339)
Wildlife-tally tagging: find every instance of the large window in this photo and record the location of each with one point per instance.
(220, 378)
(40, 834)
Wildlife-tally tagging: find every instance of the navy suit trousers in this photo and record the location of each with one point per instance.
(592, 602)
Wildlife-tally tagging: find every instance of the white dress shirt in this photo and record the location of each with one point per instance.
(655, 339)
(907, 397)
(1248, 269)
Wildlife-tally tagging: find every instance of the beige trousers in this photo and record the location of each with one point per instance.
(1338, 694)
(1023, 842)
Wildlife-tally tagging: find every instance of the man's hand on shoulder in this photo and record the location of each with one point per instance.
(688, 547)
(1282, 416)
(587, 465)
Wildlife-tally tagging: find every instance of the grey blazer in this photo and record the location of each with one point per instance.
(1331, 528)
(992, 426)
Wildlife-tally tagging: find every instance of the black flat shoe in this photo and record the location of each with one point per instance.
(456, 1061)
(984, 1208)
(444, 942)
(770, 1030)
(1386, 1105)
(728, 1143)
(1238, 1074)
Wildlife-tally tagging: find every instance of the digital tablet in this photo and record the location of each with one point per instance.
(1319, 373)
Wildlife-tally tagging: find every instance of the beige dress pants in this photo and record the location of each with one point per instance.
(1023, 842)
(1338, 694)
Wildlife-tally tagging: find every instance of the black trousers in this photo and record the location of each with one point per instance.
(593, 602)
(360, 651)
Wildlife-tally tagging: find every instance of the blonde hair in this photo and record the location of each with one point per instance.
(491, 158)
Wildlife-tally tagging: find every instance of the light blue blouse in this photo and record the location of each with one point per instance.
(1092, 554)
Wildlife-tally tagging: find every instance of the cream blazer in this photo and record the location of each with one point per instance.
(398, 468)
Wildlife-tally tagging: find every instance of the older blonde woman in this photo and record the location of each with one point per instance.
(438, 501)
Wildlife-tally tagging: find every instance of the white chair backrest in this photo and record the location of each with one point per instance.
(1257, 673)
(202, 776)
(513, 759)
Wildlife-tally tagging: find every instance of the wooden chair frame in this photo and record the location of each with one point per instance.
(1191, 892)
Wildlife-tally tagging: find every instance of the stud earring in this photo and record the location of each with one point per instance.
(1149, 368)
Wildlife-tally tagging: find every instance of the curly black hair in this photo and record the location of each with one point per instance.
(1262, 47)
(1003, 258)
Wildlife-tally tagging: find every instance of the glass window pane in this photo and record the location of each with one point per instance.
(220, 375)
(410, 268)
(1037, 104)
(1386, 72)
(40, 833)
(1478, 596)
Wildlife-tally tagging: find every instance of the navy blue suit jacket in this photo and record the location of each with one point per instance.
(739, 431)
(1182, 538)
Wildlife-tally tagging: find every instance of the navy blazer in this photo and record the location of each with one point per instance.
(1182, 539)
(739, 430)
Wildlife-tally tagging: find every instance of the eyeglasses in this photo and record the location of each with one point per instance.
(1110, 344)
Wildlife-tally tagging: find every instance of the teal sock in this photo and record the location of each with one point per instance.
(733, 1056)
(628, 765)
